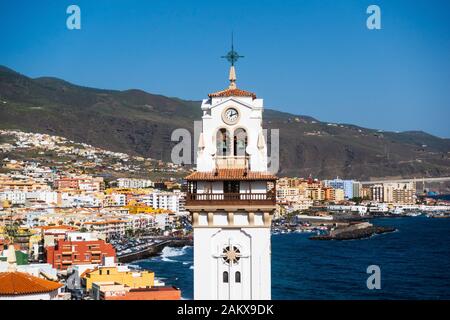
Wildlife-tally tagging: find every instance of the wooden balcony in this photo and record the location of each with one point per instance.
(231, 199)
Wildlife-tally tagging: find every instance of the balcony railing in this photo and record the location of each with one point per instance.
(232, 162)
(193, 199)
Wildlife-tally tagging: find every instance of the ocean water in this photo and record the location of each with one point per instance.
(414, 263)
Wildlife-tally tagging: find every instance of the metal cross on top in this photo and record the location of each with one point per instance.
(232, 56)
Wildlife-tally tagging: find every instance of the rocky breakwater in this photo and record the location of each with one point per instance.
(353, 231)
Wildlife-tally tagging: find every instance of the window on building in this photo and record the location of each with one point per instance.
(240, 142)
(225, 277)
(237, 277)
(231, 187)
(107, 272)
(223, 143)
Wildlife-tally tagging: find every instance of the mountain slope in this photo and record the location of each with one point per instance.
(140, 123)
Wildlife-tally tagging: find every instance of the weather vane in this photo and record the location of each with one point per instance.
(232, 56)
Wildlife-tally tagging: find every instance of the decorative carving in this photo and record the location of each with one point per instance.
(231, 255)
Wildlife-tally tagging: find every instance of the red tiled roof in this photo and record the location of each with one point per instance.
(232, 93)
(230, 174)
(56, 227)
(19, 283)
(87, 271)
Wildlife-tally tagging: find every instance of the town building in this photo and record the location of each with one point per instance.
(399, 193)
(109, 227)
(163, 200)
(78, 248)
(109, 271)
(377, 193)
(84, 183)
(117, 291)
(393, 192)
(350, 187)
(134, 183)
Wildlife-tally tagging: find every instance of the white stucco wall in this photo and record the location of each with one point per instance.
(254, 266)
(250, 119)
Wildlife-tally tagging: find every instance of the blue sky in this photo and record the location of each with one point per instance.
(306, 57)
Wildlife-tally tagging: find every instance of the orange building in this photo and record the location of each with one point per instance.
(114, 291)
(67, 253)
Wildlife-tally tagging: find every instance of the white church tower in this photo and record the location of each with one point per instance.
(231, 198)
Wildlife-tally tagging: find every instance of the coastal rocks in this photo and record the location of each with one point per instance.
(357, 233)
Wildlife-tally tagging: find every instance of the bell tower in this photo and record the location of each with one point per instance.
(231, 197)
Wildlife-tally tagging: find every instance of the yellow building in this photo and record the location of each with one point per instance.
(141, 208)
(128, 191)
(339, 195)
(6, 204)
(119, 274)
(317, 193)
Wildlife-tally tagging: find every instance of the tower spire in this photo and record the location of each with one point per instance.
(232, 57)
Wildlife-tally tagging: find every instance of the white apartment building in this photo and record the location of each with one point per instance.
(288, 195)
(115, 199)
(303, 204)
(163, 200)
(134, 183)
(402, 193)
(394, 192)
(108, 227)
(69, 200)
(162, 220)
(20, 197)
(13, 196)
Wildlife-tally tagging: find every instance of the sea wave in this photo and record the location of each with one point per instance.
(167, 259)
(170, 252)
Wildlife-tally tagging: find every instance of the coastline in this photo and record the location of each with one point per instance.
(356, 234)
(154, 250)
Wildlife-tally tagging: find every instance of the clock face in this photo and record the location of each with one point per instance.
(231, 115)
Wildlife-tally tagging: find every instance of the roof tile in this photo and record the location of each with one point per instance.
(232, 93)
(230, 174)
(19, 283)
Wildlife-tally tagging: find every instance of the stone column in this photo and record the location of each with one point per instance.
(267, 219)
(230, 218)
(210, 219)
(251, 218)
(195, 219)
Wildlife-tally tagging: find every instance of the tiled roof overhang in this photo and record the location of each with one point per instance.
(19, 283)
(231, 175)
(232, 93)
